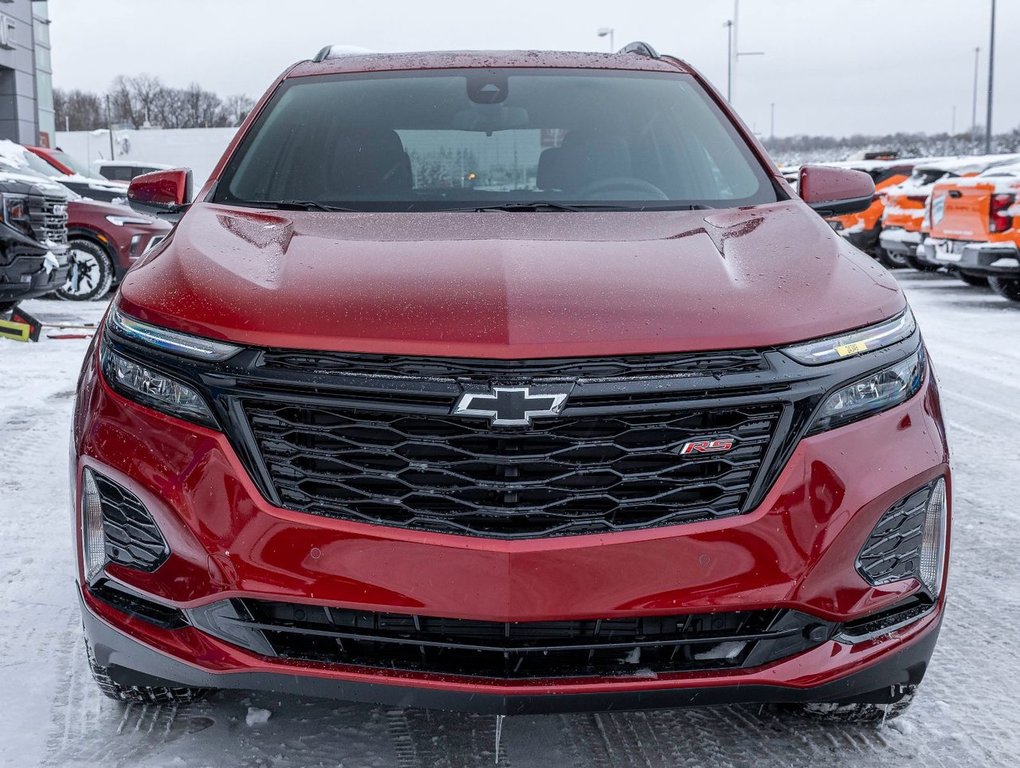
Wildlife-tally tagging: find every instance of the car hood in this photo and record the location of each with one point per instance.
(509, 285)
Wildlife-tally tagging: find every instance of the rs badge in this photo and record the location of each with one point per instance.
(706, 446)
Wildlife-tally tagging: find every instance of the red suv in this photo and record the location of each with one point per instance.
(105, 240)
(509, 382)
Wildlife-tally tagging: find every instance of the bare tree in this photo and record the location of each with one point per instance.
(78, 110)
(236, 108)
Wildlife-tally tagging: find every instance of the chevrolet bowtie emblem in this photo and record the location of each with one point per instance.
(510, 406)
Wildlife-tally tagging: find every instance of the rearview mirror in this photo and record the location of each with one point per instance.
(161, 192)
(836, 191)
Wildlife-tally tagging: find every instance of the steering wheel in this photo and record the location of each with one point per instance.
(623, 184)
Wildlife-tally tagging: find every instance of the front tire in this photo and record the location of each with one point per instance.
(1007, 287)
(919, 265)
(891, 260)
(91, 272)
(136, 694)
(976, 280)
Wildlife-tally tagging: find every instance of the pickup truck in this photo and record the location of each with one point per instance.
(974, 229)
(905, 203)
(33, 238)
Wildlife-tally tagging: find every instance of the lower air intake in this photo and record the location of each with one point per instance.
(514, 650)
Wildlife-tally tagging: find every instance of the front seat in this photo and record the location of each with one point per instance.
(368, 163)
(583, 159)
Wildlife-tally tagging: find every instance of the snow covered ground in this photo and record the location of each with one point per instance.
(966, 714)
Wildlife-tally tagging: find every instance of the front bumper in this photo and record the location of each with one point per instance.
(796, 550)
(27, 277)
(976, 258)
(900, 242)
(879, 672)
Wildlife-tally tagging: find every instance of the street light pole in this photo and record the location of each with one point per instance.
(772, 121)
(735, 36)
(729, 60)
(109, 125)
(991, 81)
(733, 52)
(973, 110)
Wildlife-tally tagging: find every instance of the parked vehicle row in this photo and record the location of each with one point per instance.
(952, 213)
(76, 176)
(88, 244)
(906, 203)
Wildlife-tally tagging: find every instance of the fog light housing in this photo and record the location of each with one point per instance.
(933, 545)
(117, 529)
(93, 537)
(909, 541)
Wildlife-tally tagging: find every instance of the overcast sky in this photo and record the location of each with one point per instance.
(830, 66)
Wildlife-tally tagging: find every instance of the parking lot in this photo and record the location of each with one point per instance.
(965, 716)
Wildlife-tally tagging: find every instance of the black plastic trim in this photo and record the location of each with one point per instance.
(130, 662)
(137, 606)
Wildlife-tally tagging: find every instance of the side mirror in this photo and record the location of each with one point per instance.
(836, 191)
(161, 192)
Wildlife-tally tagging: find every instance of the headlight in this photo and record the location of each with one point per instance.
(16, 214)
(872, 394)
(169, 341)
(152, 388)
(120, 221)
(870, 339)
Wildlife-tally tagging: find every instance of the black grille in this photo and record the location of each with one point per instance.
(618, 646)
(132, 538)
(564, 475)
(893, 551)
(464, 369)
(49, 218)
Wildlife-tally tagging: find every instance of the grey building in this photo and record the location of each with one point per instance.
(26, 75)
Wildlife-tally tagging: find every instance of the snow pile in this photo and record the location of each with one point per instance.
(12, 154)
(257, 716)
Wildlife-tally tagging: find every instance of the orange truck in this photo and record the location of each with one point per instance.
(906, 203)
(975, 229)
(863, 229)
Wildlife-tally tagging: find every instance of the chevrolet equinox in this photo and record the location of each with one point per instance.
(509, 382)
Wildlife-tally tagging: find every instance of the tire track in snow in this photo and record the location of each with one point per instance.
(434, 739)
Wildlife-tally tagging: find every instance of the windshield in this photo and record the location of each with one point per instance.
(39, 165)
(80, 168)
(399, 141)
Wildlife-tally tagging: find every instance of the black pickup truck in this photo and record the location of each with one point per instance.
(33, 238)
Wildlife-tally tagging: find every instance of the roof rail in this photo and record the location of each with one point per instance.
(338, 51)
(640, 48)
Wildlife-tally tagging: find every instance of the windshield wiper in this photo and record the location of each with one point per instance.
(547, 205)
(297, 205)
(537, 205)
